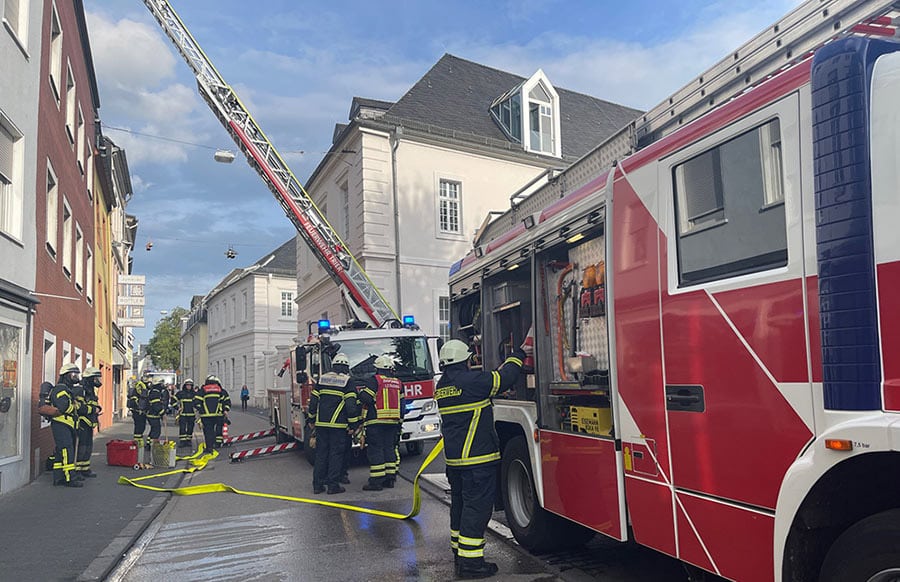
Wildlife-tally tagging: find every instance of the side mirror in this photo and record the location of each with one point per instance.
(300, 358)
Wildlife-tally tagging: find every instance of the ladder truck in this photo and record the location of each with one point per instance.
(712, 294)
(364, 301)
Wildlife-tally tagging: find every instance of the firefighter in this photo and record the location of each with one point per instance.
(88, 413)
(63, 397)
(212, 402)
(184, 401)
(471, 449)
(158, 398)
(138, 403)
(334, 411)
(381, 395)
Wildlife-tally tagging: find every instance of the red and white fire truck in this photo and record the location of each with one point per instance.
(412, 352)
(361, 296)
(714, 306)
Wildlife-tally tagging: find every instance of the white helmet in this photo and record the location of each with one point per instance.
(340, 360)
(69, 368)
(91, 372)
(384, 362)
(454, 352)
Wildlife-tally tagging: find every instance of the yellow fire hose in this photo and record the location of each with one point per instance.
(198, 461)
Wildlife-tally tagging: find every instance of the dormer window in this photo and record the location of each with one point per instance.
(541, 124)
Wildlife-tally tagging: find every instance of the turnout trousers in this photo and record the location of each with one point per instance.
(155, 423)
(330, 447)
(380, 450)
(472, 492)
(84, 449)
(64, 456)
(140, 424)
(185, 429)
(210, 423)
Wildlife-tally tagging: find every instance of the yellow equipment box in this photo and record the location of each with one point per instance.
(596, 421)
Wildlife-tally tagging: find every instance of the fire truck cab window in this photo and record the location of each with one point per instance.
(729, 208)
(571, 340)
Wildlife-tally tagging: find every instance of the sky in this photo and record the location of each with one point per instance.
(296, 65)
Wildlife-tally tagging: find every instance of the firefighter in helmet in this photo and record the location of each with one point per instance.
(184, 400)
(334, 411)
(64, 398)
(88, 416)
(138, 403)
(212, 402)
(158, 398)
(471, 449)
(381, 393)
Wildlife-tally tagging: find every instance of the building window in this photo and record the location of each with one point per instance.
(345, 210)
(530, 109)
(67, 238)
(89, 171)
(79, 360)
(79, 258)
(444, 317)
(70, 105)
(79, 141)
(244, 305)
(49, 371)
(55, 53)
(729, 208)
(66, 354)
(287, 304)
(52, 210)
(244, 358)
(15, 13)
(540, 117)
(11, 197)
(448, 207)
(233, 312)
(12, 361)
(89, 276)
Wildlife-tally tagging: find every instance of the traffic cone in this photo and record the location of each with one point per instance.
(528, 346)
(224, 431)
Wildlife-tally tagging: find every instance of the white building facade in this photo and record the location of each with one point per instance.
(249, 315)
(20, 61)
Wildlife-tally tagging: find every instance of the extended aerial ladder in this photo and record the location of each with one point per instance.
(360, 293)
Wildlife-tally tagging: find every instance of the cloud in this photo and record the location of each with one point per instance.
(129, 53)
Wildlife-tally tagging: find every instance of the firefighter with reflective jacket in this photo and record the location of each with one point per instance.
(158, 399)
(184, 400)
(471, 449)
(381, 394)
(138, 403)
(213, 403)
(88, 413)
(334, 411)
(62, 423)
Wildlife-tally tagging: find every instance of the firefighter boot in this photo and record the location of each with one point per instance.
(373, 485)
(473, 568)
(334, 489)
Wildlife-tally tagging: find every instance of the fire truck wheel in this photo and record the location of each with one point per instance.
(536, 529)
(869, 550)
(309, 445)
(415, 448)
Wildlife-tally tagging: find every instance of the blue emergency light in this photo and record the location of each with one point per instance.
(324, 326)
(409, 320)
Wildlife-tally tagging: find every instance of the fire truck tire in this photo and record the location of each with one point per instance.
(309, 446)
(415, 448)
(868, 550)
(535, 528)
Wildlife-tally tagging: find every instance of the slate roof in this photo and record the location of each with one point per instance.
(284, 261)
(457, 94)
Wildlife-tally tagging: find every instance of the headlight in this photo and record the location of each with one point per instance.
(430, 405)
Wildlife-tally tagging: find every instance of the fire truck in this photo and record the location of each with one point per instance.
(712, 295)
(362, 298)
(412, 352)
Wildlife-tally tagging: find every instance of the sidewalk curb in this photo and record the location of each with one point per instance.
(100, 568)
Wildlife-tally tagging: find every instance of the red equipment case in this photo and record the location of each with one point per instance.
(121, 453)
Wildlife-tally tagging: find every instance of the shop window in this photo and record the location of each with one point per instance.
(11, 391)
(729, 206)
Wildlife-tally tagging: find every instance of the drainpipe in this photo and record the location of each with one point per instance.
(395, 143)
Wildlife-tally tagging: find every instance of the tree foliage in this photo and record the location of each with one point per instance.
(165, 345)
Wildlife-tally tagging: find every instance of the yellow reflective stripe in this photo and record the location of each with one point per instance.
(471, 541)
(464, 407)
(337, 393)
(337, 411)
(479, 553)
(470, 435)
(349, 395)
(332, 424)
(513, 360)
(495, 456)
(199, 461)
(495, 385)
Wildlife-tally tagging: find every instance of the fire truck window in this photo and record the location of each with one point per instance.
(729, 208)
(571, 340)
